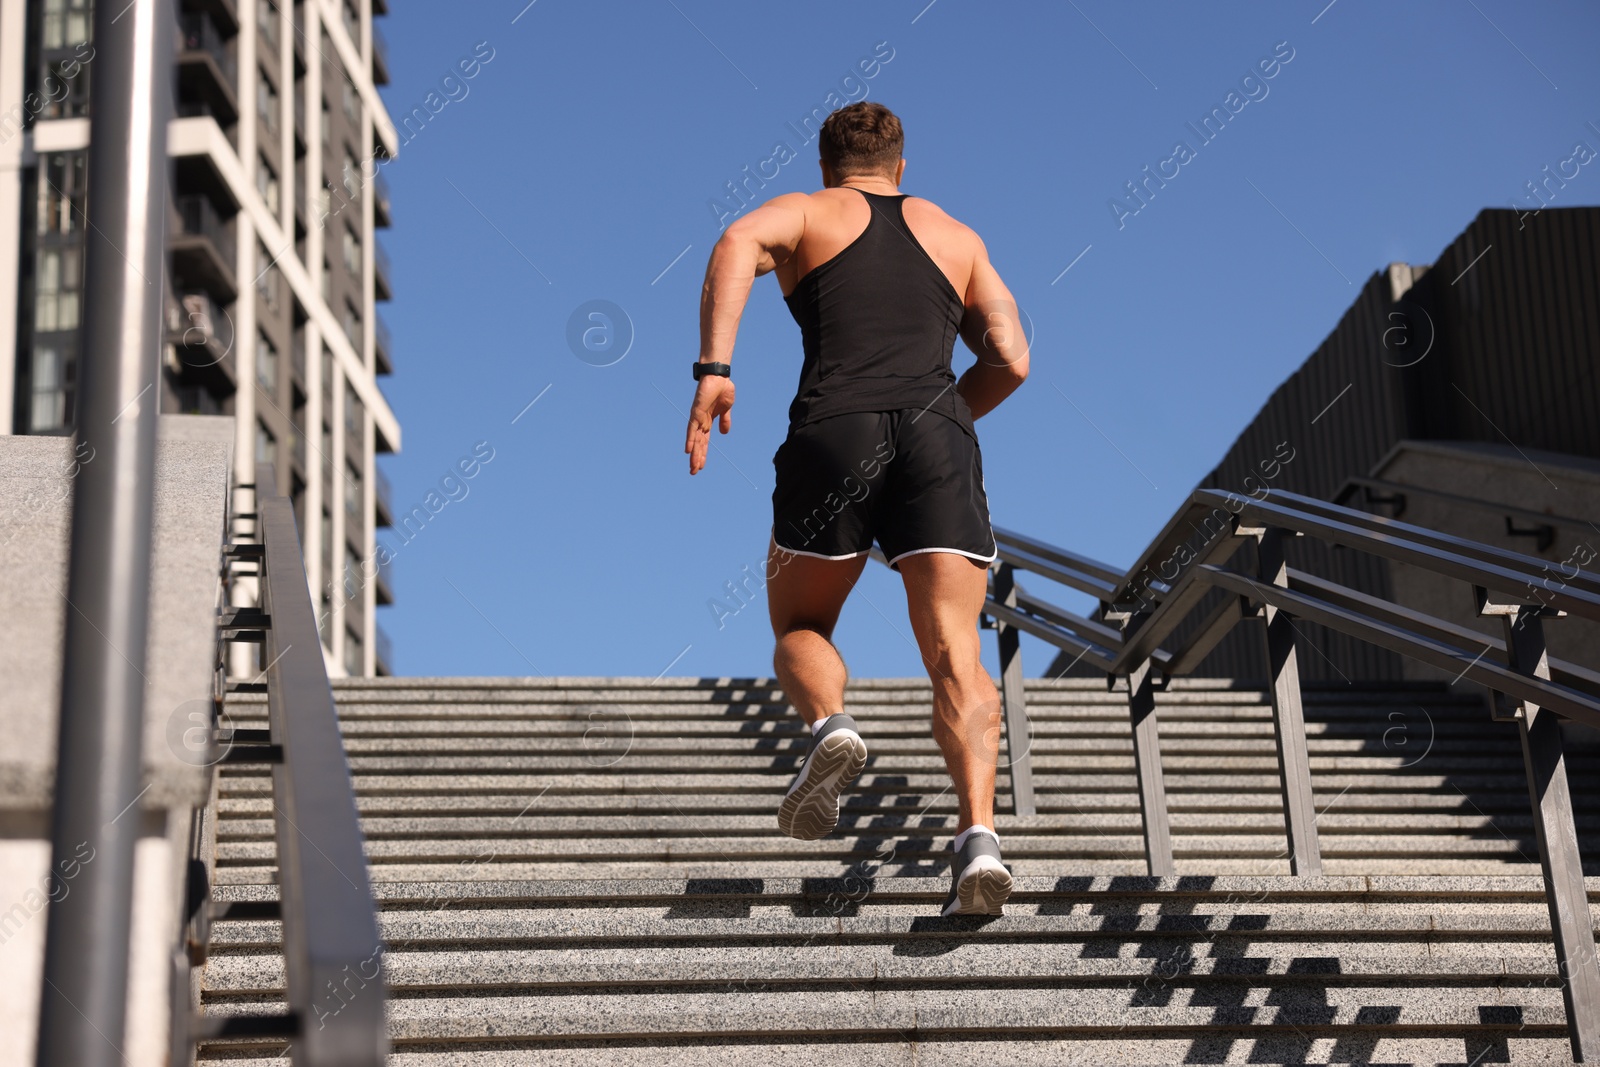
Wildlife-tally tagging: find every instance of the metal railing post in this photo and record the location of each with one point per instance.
(1557, 835)
(1153, 813)
(1013, 700)
(1288, 715)
(94, 820)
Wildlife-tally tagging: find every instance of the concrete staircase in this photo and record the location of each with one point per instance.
(589, 871)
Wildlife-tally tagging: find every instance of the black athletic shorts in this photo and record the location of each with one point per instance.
(911, 479)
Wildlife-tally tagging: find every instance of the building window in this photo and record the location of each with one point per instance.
(352, 573)
(65, 23)
(61, 90)
(267, 184)
(50, 410)
(352, 104)
(327, 130)
(267, 22)
(57, 276)
(55, 251)
(352, 253)
(352, 419)
(354, 665)
(352, 495)
(325, 613)
(352, 22)
(351, 174)
(266, 102)
(352, 325)
(269, 284)
(63, 186)
(327, 281)
(266, 445)
(267, 364)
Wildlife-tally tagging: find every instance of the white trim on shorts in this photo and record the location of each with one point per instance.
(816, 555)
(990, 558)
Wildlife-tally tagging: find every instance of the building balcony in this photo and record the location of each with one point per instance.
(301, 145)
(206, 72)
(383, 652)
(381, 584)
(384, 495)
(380, 58)
(380, 198)
(380, 273)
(297, 45)
(201, 333)
(225, 13)
(383, 347)
(202, 246)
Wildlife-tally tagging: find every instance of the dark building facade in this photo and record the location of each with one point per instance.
(1493, 348)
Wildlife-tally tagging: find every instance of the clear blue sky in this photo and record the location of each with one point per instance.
(584, 157)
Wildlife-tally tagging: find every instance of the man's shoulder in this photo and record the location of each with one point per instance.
(925, 212)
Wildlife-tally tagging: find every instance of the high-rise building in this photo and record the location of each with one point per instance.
(273, 271)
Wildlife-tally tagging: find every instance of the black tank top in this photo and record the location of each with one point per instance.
(879, 322)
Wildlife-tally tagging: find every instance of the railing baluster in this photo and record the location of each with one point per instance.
(1013, 700)
(1167, 587)
(1147, 762)
(1288, 716)
(1556, 832)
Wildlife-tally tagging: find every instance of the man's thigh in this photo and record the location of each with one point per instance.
(804, 592)
(945, 592)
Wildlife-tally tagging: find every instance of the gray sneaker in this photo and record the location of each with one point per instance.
(810, 810)
(979, 882)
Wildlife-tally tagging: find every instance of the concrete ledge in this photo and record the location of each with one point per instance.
(193, 463)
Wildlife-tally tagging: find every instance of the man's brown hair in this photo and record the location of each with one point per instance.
(861, 138)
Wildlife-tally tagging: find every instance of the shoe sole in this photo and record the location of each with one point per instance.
(811, 810)
(985, 886)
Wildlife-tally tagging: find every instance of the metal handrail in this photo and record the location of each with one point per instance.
(1172, 581)
(83, 988)
(332, 950)
(333, 954)
(1369, 487)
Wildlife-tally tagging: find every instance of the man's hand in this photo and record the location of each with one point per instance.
(713, 402)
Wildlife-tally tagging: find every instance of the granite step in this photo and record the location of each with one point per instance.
(930, 848)
(1129, 865)
(495, 971)
(1019, 1011)
(1221, 1045)
(236, 781)
(1511, 803)
(534, 820)
(588, 870)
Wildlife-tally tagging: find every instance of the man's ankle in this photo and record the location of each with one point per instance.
(961, 838)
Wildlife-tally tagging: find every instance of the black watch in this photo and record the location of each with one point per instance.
(703, 369)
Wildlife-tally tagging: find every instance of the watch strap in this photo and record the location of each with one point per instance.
(701, 369)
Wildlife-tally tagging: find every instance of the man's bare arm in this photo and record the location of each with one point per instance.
(752, 246)
(992, 329)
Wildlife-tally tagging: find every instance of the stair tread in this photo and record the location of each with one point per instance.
(587, 869)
